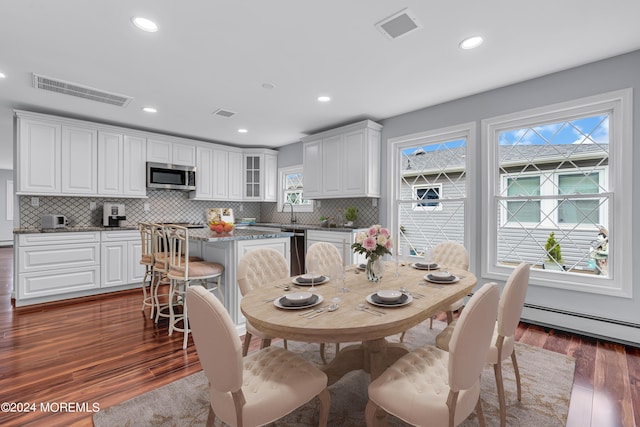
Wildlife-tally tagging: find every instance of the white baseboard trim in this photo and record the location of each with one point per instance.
(623, 333)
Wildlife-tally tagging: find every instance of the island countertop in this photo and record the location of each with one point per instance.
(203, 234)
(207, 235)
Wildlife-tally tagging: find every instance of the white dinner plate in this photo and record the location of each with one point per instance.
(325, 280)
(399, 303)
(441, 282)
(313, 303)
(437, 266)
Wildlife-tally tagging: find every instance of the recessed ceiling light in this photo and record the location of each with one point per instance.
(144, 24)
(471, 42)
(242, 130)
(3, 76)
(268, 85)
(149, 110)
(324, 98)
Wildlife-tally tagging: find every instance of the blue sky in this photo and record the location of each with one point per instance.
(587, 130)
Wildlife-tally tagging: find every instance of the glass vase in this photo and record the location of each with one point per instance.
(373, 268)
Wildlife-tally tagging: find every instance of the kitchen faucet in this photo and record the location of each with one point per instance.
(293, 218)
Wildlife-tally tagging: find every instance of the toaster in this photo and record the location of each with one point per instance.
(54, 221)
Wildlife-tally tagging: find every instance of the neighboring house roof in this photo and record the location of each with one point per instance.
(453, 159)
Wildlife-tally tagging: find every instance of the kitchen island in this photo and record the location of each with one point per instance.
(65, 263)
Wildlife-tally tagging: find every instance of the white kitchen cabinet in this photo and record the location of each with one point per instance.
(39, 156)
(121, 165)
(312, 155)
(134, 168)
(270, 178)
(342, 240)
(343, 162)
(218, 174)
(170, 152)
(235, 175)
(79, 171)
(59, 156)
(260, 175)
(53, 264)
(119, 258)
(110, 163)
(204, 174)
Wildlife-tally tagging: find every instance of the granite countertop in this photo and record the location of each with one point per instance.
(203, 234)
(297, 226)
(238, 234)
(78, 229)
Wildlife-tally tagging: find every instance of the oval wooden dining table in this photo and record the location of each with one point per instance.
(351, 323)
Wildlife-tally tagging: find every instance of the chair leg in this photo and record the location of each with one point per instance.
(245, 344)
(265, 343)
(370, 413)
(172, 316)
(286, 347)
(323, 355)
(517, 374)
(211, 418)
(497, 369)
(325, 405)
(449, 317)
(147, 300)
(479, 413)
(185, 319)
(431, 322)
(402, 336)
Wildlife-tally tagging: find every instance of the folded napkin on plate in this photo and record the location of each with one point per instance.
(288, 303)
(308, 279)
(441, 279)
(426, 265)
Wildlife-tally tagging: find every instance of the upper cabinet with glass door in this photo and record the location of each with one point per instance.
(343, 162)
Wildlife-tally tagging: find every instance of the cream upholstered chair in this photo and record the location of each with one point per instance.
(146, 259)
(502, 342)
(255, 269)
(253, 390)
(430, 386)
(183, 271)
(451, 255)
(326, 257)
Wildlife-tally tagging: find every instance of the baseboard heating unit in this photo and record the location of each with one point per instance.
(626, 333)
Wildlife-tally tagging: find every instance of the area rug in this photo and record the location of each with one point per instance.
(547, 380)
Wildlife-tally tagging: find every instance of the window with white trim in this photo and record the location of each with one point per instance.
(550, 170)
(427, 197)
(291, 180)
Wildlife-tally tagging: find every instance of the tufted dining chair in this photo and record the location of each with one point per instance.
(254, 390)
(255, 269)
(429, 386)
(451, 255)
(502, 342)
(325, 257)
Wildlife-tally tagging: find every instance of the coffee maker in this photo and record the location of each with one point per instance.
(112, 214)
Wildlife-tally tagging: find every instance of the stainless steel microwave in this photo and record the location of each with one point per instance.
(171, 177)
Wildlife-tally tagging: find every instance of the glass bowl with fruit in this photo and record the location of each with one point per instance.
(221, 227)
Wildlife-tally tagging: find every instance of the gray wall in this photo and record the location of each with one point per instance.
(603, 76)
(6, 226)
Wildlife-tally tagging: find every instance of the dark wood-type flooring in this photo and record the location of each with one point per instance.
(105, 351)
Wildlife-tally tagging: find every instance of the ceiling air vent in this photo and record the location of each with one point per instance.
(223, 113)
(80, 91)
(398, 24)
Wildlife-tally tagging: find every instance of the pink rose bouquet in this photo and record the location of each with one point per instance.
(374, 242)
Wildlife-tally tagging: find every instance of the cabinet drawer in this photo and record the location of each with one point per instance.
(56, 257)
(120, 235)
(33, 285)
(58, 238)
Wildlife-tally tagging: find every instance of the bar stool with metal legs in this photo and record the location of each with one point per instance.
(182, 272)
(146, 259)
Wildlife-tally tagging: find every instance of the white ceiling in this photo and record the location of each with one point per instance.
(211, 54)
